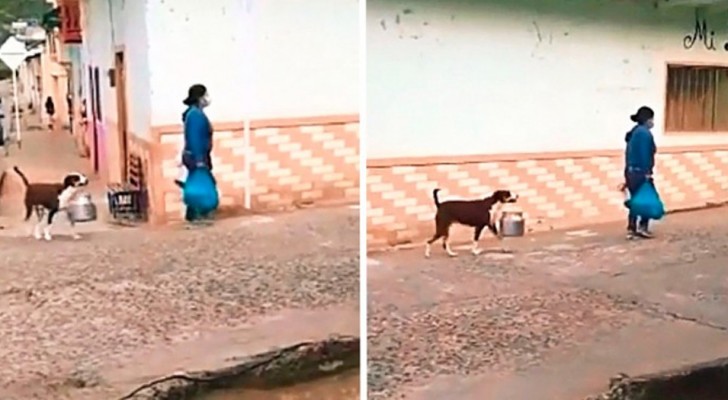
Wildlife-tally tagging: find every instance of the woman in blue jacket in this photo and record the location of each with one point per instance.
(197, 152)
(639, 163)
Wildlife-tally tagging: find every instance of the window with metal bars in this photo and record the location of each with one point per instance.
(697, 99)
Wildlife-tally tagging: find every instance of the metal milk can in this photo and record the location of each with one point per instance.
(512, 223)
(82, 208)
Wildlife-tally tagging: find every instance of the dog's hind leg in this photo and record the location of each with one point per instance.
(428, 245)
(445, 233)
(441, 231)
(448, 249)
(47, 230)
(476, 236)
(37, 228)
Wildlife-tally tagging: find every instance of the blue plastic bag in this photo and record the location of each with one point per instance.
(646, 203)
(200, 191)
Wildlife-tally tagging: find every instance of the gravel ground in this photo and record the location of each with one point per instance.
(67, 303)
(501, 313)
(499, 332)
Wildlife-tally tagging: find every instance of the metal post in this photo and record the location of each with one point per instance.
(248, 83)
(248, 162)
(17, 109)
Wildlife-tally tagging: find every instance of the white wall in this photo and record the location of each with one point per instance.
(196, 42)
(457, 78)
(258, 59)
(101, 37)
(306, 60)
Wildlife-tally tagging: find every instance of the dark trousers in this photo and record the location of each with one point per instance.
(635, 180)
(192, 215)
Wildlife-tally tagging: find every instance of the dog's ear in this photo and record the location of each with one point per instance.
(501, 195)
(70, 180)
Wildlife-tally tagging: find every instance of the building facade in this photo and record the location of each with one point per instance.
(535, 97)
(284, 93)
(44, 73)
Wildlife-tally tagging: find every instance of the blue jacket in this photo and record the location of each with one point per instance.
(198, 134)
(641, 149)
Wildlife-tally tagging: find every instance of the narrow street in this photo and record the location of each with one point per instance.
(554, 318)
(119, 308)
(94, 318)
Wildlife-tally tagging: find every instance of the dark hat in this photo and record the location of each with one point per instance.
(643, 115)
(194, 94)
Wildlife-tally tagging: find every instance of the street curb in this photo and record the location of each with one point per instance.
(680, 383)
(281, 367)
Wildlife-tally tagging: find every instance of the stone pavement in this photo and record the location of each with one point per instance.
(553, 319)
(117, 308)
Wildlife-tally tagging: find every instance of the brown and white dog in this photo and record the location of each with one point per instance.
(51, 198)
(478, 214)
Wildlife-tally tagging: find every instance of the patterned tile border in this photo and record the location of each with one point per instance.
(291, 162)
(304, 164)
(556, 192)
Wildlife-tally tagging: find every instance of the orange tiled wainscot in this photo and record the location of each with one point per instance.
(557, 190)
(290, 161)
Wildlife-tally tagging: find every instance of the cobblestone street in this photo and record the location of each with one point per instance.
(554, 318)
(123, 306)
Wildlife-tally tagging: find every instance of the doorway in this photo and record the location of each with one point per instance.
(121, 112)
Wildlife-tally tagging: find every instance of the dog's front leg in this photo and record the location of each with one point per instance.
(72, 225)
(476, 237)
(498, 235)
(47, 233)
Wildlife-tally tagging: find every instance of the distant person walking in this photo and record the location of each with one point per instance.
(69, 105)
(3, 140)
(639, 163)
(50, 109)
(83, 113)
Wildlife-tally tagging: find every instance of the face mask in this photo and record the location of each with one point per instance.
(650, 124)
(205, 101)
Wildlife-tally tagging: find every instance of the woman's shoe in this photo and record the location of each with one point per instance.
(645, 234)
(196, 224)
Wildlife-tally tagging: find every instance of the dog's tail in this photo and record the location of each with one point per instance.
(22, 176)
(434, 196)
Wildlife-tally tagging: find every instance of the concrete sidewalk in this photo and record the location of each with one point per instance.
(553, 319)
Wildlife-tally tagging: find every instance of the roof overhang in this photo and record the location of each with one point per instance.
(691, 3)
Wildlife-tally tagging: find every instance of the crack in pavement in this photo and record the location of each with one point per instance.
(680, 317)
(657, 310)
